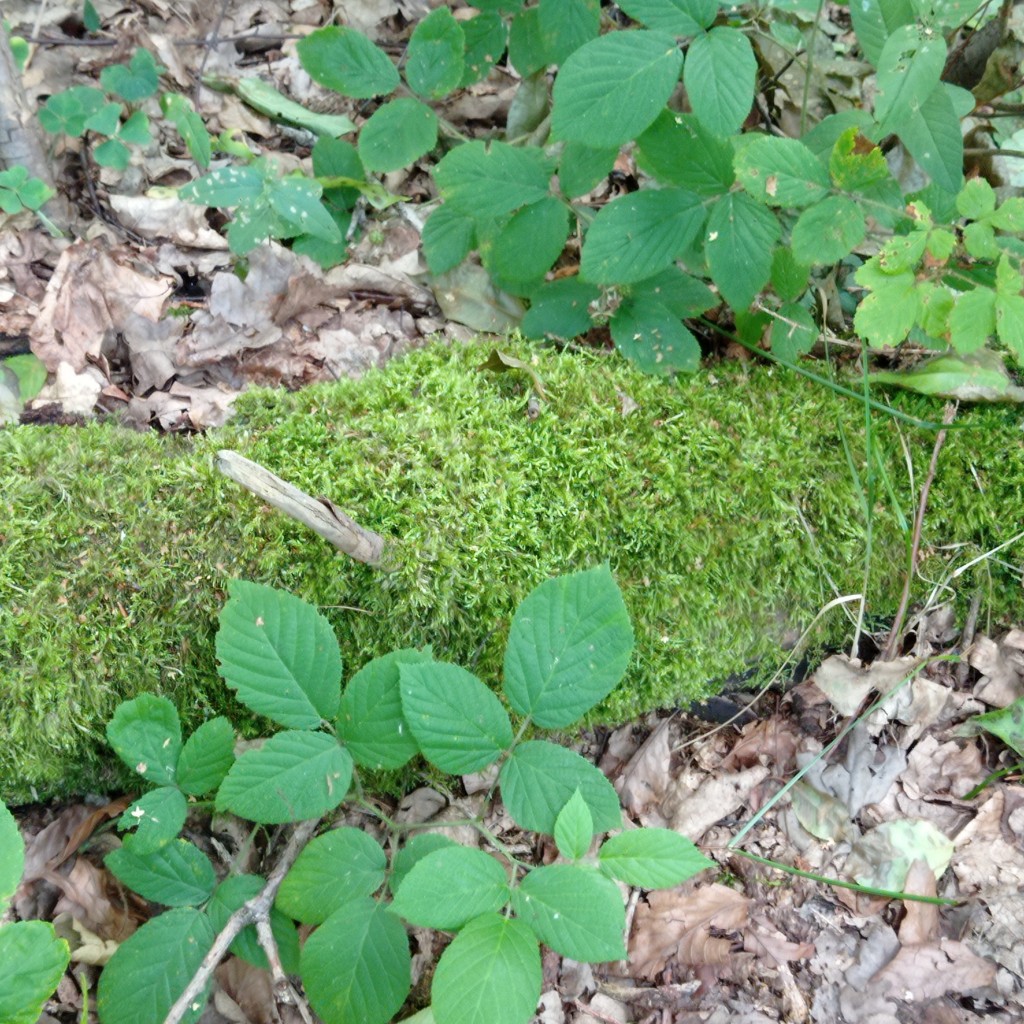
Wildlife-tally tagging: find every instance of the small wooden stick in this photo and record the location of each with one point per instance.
(319, 514)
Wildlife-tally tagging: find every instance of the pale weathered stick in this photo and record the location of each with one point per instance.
(319, 514)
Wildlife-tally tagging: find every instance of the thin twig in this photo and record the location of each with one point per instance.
(967, 639)
(284, 991)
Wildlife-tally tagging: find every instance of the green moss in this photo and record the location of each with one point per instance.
(115, 547)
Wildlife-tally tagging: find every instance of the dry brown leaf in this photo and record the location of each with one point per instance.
(766, 941)
(694, 811)
(847, 682)
(920, 920)
(771, 741)
(985, 860)
(1001, 665)
(920, 973)
(646, 776)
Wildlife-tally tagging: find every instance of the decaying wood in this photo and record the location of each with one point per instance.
(319, 514)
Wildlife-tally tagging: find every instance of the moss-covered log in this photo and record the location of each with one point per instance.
(725, 504)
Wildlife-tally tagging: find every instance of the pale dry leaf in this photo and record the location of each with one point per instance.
(645, 778)
(764, 939)
(693, 811)
(985, 859)
(771, 741)
(1001, 665)
(847, 682)
(935, 769)
(920, 973)
(550, 1009)
(75, 393)
(167, 217)
(603, 1010)
(84, 896)
(920, 922)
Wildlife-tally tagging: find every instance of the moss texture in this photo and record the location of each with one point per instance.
(115, 547)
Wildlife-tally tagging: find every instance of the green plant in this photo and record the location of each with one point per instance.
(569, 645)
(19, 191)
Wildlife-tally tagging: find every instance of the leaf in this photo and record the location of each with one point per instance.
(151, 968)
(67, 112)
(397, 134)
(526, 48)
(1006, 723)
(435, 66)
(781, 172)
(112, 153)
(135, 81)
(793, 333)
(887, 314)
(789, 277)
(234, 892)
(574, 828)
(828, 231)
(677, 17)
(157, 817)
(574, 910)
(972, 321)
(459, 724)
(206, 757)
(179, 111)
(932, 134)
(490, 972)
(652, 858)
(356, 965)
(565, 25)
(852, 169)
(135, 130)
(335, 868)
(501, 362)
(678, 150)
(568, 647)
(560, 308)
(582, 167)
(719, 77)
(292, 777)
(741, 235)
(263, 97)
(525, 247)
(415, 849)
(909, 69)
(654, 338)
(12, 857)
(106, 120)
(875, 20)
(176, 875)
(449, 236)
(977, 199)
(336, 158)
(486, 38)
(280, 655)
(347, 62)
(612, 88)
(539, 779)
(1010, 323)
(682, 295)
(486, 183)
(146, 734)
(638, 234)
(980, 377)
(450, 887)
(32, 963)
(296, 201)
(225, 187)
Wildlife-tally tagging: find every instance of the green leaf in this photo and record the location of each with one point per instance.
(106, 120)
(292, 777)
(652, 858)
(335, 868)
(677, 17)
(1006, 723)
(654, 338)
(887, 314)
(490, 972)
(356, 965)
(234, 892)
(980, 241)
(487, 183)
(459, 724)
(206, 757)
(347, 62)
(451, 886)
(28, 368)
(981, 377)
(90, 17)
(828, 231)
(977, 199)
(526, 48)
(225, 187)
(336, 158)
(932, 134)
(486, 39)
(781, 172)
(574, 910)
(909, 69)
(176, 875)
(157, 817)
(524, 249)
(397, 134)
(972, 321)
(179, 111)
(296, 201)
(1009, 216)
(135, 81)
(263, 97)
(741, 235)
(566, 25)
(851, 168)
(582, 167)
(682, 295)
(678, 150)
(638, 234)
(135, 130)
(540, 778)
(875, 20)
(280, 655)
(146, 734)
(151, 968)
(67, 112)
(574, 828)
(112, 153)
(370, 720)
(435, 66)
(448, 238)
(1010, 323)
(612, 88)
(568, 646)
(719, 77)
(32, 962)
(793, 333)
(415, 849)
(12, 857)
(560, 308)
(789, 277)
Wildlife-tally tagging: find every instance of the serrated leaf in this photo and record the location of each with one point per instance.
(972, 320)
(909, 68)
(828, 231)
(12, 857)
(781, 172)
(146, 734)
(32, 962)
(574, 910)
(980, 241)
(135, 81)
(157, 817)
(176, 875)
(740, 238)
(486, 39)
(226, 187)
(612, 88)
(887, 314)
(875, 20)
(450, 887)
(932, 134)
(449, 236)
(682, 295)
(206, 757)
(638, 234)
(526, 48)
(654, 338)
(356, 965)
(539, 779)
(233, 893)
(566, 25)
(292, 777)
(677, 17)
(279, 655)
(336, 158)
(678, 150)
(151, 968)
(347, 62)
(582, 167)
(1008, 217)
(335, 868)
(652, 858)
(487, 183)
(789, 277)
(459, 724)
(490, 972)
(560, 308)
(719, 76)
(793, 332)
(855, 164)
(525, 247)
(977, 199)
(1010, 323)
(434, 67)
(574, 828)
(397, 134)
(416, 847)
